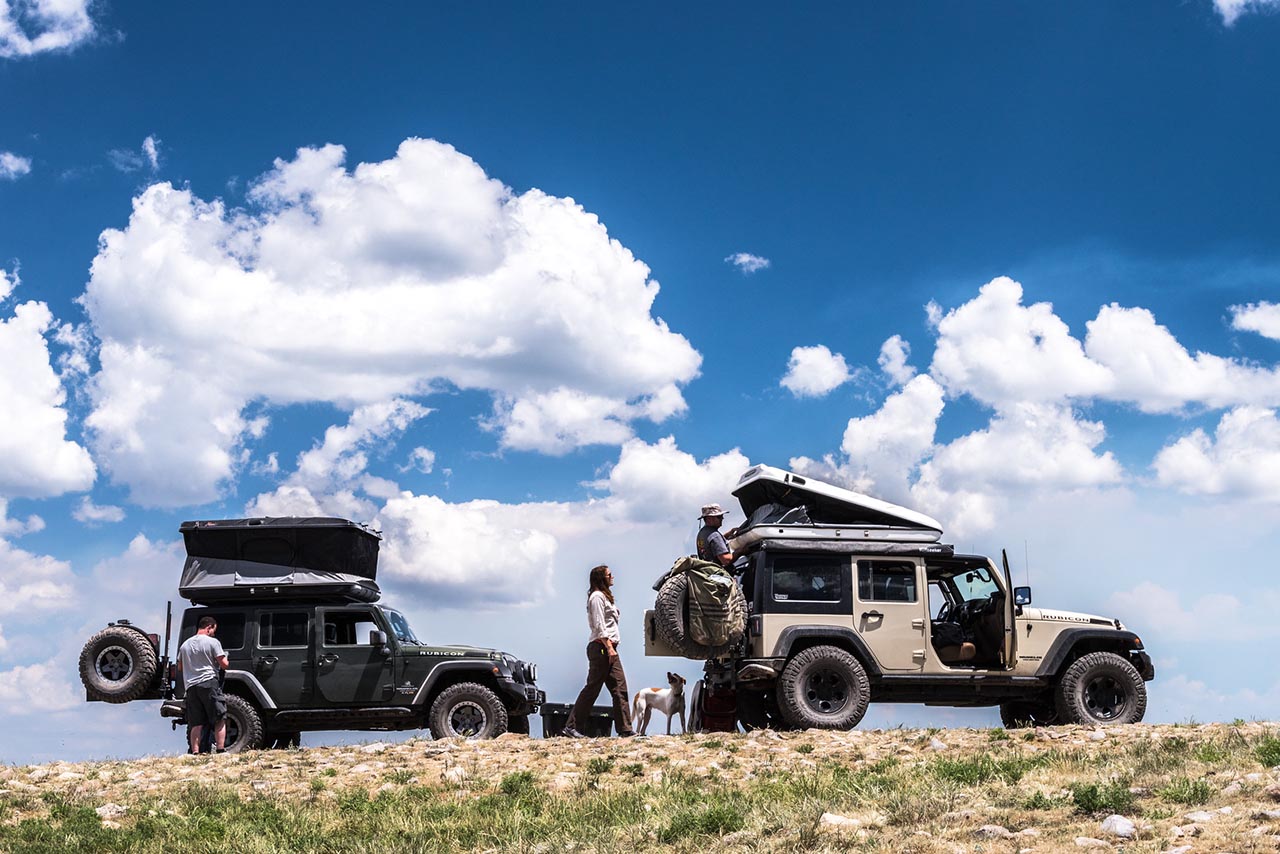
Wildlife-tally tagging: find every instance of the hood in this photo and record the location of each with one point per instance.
(456, 650)
(1051, 616)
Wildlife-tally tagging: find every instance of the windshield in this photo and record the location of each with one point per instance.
(975, 584)
(400, 626)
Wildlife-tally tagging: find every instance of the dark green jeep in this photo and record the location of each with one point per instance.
(309, 646)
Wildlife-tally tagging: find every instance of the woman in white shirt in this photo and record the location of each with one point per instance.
(604, 667)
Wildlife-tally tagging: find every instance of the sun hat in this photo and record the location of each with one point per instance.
(711, 510)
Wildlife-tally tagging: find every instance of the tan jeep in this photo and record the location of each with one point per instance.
(872, 609)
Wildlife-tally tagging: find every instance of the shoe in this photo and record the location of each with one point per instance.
(627, 735)
(570, 732)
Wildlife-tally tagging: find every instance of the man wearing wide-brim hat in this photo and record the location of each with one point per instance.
(711, 543)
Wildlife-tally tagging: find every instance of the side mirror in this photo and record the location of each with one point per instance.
(1022, 596)
(379, 639)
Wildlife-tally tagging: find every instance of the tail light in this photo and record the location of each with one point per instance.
(755, 626)
(173, 673)
(155, 639)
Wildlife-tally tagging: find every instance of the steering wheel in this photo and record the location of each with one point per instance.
(944, 613)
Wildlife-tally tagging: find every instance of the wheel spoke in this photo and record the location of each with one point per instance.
(467, 719)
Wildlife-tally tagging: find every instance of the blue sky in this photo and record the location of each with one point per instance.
(525, 286)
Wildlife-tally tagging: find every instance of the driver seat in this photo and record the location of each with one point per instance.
(956, 653)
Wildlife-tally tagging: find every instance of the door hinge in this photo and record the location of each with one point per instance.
(917, 655)
(918, 623)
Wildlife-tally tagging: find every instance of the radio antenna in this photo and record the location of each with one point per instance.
(1026, 560)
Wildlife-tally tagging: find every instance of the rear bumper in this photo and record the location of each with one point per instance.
(176, 709)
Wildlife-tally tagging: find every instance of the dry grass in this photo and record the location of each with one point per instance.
(761, 792)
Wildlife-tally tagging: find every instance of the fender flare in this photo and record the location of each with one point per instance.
(791, 634)
(1124, 641)
(247, 679)
(433, 676)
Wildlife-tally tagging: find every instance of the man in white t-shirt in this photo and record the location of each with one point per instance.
(200, 659)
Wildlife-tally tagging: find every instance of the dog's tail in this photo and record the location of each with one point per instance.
(635, 710)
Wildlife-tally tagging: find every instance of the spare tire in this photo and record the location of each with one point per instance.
(671, 612)
(118, 664)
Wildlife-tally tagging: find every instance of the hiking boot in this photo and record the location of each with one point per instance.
(570, 732)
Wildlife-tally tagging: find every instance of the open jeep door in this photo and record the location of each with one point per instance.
(1010, 635)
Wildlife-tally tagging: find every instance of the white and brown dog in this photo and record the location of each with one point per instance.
(666, 700)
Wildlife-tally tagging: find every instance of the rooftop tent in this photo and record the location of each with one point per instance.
(286, 556)
(769, 496)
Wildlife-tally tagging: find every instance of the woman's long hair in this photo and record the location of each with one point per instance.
(599, 582)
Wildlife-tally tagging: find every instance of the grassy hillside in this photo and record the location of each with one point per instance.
(1210, 787)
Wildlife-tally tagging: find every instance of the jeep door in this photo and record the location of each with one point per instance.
(890, 611)
(282, 656)
(349, 669)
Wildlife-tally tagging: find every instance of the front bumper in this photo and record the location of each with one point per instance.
(1142, 662)
(521, 698)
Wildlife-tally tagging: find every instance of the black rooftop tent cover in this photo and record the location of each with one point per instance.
(776, 497)
(289, 556)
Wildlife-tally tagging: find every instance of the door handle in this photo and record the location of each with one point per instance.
(329, 658)
(268, 660)
(872, 615)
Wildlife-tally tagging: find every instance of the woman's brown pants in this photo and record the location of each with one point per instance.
(602, 670)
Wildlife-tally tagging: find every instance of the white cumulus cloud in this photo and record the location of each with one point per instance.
(746, 262)
(30, 27)
(1001, 352)
(1231, 10)
(1260, 317)
(894, 353)
(1217, 617)
(661, 483)
(36, 457)
(880, 452)
(814, 371)
(489, 553)
(356, 286)
(421, 460)
(95, 514)
(31, 583)
(1241, 459)
(13, 166)
(151, 150)
(330, 475)
(37, 688)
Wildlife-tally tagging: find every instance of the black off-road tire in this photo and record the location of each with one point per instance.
(118, 665)
(284, 741)
(244, 725)
(671, 613)
(519, 724)
(1100, 689)
(1020, 714)
(759, 710)
(823, 687)
(467, 710)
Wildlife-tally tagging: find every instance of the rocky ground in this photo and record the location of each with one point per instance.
(1239, 812)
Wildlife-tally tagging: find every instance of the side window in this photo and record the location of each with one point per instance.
(807, 578)
(886, 581)
(282, 628)
(348, 628)
(230, 628)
